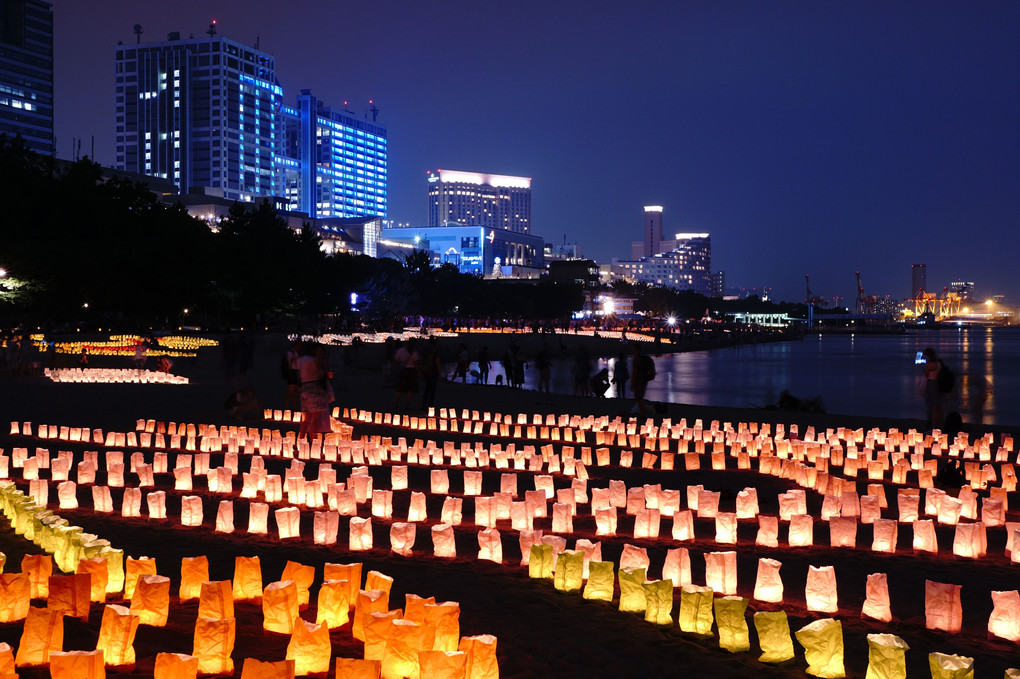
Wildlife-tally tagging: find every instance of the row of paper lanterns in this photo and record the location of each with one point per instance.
(112, 376)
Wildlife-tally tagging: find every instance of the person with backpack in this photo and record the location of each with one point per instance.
(936, 383)
(642, 371)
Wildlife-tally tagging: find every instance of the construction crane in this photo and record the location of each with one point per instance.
(811, 299)
(864, 304)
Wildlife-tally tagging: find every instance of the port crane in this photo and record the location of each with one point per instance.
(865, 304)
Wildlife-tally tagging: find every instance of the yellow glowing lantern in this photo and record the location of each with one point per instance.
(247, 583)
(481, 660)
(442, 664)
(216, 600)
(876, 602)
(886, 657)
(369, 601)
(773, 630)
(569, 570)
(214, 644)
(729, 618)
(823, 648)
(264, 669)
(540, 561)
(77, 665)
(38, 568)
(279, 606)
(945, 666)
(42, 634)
(70, 595)
(194, 571)
(658, 602)
(1004, 622)
(357, 668)
(360, 536)
(309, 648)
(721, 572)
(303, 578)
(151, 600)
(696, 609)
(117, 636)
(768, 585)
(601, 581)
(632, 591)
(444, 618)
(942, 607)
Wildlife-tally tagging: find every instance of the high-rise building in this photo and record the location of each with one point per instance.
(918, 279)
(687, 266)
(474, 199)
(26, 73)
(653, 229)
(200, 112)
(331, 162)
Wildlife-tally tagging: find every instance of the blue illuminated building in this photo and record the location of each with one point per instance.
(331, 162)
(472, 249)
(26, 73)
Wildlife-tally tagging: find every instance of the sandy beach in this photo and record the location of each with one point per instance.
(541, 632)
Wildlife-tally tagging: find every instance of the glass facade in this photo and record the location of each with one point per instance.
(472, 249)
(26, 73)
(687, 267)
(471, 198)
(331, 162)
(200, 112)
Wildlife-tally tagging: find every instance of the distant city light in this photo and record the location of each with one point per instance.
(653, 208)
(671, 320)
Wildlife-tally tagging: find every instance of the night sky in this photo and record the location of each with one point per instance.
(814, 138)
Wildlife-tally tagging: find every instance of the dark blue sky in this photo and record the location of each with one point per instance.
(813, 138)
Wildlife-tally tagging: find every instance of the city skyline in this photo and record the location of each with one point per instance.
(806, 139)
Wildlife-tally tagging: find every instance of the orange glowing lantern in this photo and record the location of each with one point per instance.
(38, 568)
(942, 607)
(280, 607)
(99, 576)
(69, 595)
(214, 644)
(357, 668)
(309, 648)
(369, 601)
(443, 664)
(216, 600)
(247, 584)
(194, 571)
(135, 568)
(264, 669)
(77, 665)
(444, 618)
(333, 605)
(303, 577)
(151, 600)
(117, 636)
(481, 652)
(42, 634)
(345, 572)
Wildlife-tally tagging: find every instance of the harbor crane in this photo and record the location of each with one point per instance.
(864, 304)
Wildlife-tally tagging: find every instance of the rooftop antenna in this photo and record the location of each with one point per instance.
(138, 33)
(374, 110)
(212, 29)
(258, 40)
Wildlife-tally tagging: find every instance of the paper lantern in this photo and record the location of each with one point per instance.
(216, 600)
(876, 601)
(369, 601)
(288, 522)
(333, 604)
(569, 571)
(490, 545)
(303, 578)
(802, 530)
(886, 657)
(325, 526)
(280, 606)
(633, 557)
(194, 571)
(258, 518)
(247, 584)
(1004, 621)
(156, 504)
(99, 575)
(402, 536)
(345, 572)
(729, 618)
(540, 561)
(632, 590)
(38, 568)
(721, 572)
(102, 501)
(942, 607)
(117, 636)
(357, 668)
(970, 540)
(676, 567)
(214, 644)
(309, 648)
(605, 521)
(726, 528)
(131, 502)
(696, 610)
(843, 532)
(225, 517)
(768, 585)
(747, 503)
(949, 510)
(481, 652)
(417, 510)
(440, 482)
(908, 503)
(442, 664)
(886, 534)
(444, 618)
(77, 665)
(601, 581)
(708, 503)
(773, 630)
(67, 495)
(659, 602)
(993, 512)
(42, 634)
(151, 600)
(264, 669)
(945, 666)
(70, 595)
(820, 590)
(360, 534)
(823, 648)
(134, 569)
(444, 545)
(191, 510)
(768, 531)
(925, 539)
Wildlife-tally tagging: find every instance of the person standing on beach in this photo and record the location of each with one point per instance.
(621, 375)
(928, 387)
(406, 360)
(483, 365)
(642, 371)
(430, 368)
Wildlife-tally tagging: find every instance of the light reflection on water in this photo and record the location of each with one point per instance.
(870, 375)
